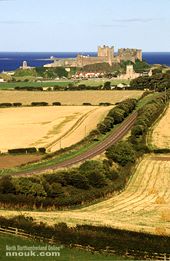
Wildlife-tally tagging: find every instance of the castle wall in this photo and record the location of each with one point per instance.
(129, 54)
(105, 55)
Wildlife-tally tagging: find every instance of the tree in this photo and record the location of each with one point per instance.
(55, 190)
(6, 185)
(96, 179)
(138, 130)
(122, 153)
(95, 173)
(78, 180)
(107, 86)
(117, 114)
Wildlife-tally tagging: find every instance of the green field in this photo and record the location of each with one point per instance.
(91, 82)
(11, 85)
(66, 254)
(96, 82)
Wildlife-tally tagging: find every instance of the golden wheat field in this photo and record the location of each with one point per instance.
(161, 133)
(69, 97)
(50, 127)
(143, 206)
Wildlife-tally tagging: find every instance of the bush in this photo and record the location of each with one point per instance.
(104, 104)
(122, 153)
(6, 185)
(87, 104)
(95, 173)
(39, 104)
(17, 104)
(3, 105)
(78, 180)
(118, 115)
(56, 103)
(42, 150)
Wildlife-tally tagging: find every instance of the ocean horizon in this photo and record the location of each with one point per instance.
(10, 61)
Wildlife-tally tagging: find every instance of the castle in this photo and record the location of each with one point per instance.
(105, 54)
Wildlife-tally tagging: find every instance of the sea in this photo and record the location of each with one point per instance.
(10, 61)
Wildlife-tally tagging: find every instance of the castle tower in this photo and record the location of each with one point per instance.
(107, 53)
(139, 55)
(129, 71)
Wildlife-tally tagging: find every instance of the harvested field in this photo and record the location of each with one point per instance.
(51, 127)
(161, 133)
(69, 97)
(143, 206)
(10, 161)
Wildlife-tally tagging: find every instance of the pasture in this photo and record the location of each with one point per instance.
(11, 85)
(66, 254)
(160, 135)
(67, 97)
(61, 83)
(51, 127)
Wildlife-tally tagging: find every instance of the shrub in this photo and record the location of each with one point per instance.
(87, 104)
(122, 153)
(6, 185)
(78, 180)
(39, 104)
(56, 103)
(7, 104)
(104, 104)
(42, 150)
(17, 104)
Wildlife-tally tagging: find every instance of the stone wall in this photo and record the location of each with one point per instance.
(129, 54)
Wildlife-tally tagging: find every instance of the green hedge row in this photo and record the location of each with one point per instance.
(98, 237)
(26, 150)
(7, 104)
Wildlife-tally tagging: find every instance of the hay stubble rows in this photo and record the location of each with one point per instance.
(50, 127)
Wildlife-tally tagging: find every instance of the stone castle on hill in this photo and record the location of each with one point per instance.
(106, 54)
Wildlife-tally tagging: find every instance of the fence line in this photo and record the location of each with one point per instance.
(129, 253)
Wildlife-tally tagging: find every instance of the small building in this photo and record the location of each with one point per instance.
(25, 66)
(130, 74)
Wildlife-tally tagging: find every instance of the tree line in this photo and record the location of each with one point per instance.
(157, 82)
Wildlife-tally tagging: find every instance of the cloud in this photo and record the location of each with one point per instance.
(17, 22)
(135, 20)
(109, 25)
(125, 21)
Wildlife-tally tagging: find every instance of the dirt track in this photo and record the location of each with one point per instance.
(110, 140)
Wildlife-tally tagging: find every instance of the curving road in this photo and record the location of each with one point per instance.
(117, 135)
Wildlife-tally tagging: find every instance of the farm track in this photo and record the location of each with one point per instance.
(98, 149)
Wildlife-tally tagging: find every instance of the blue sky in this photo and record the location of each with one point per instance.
(82, 25)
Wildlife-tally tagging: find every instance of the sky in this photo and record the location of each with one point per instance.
(82, 25)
